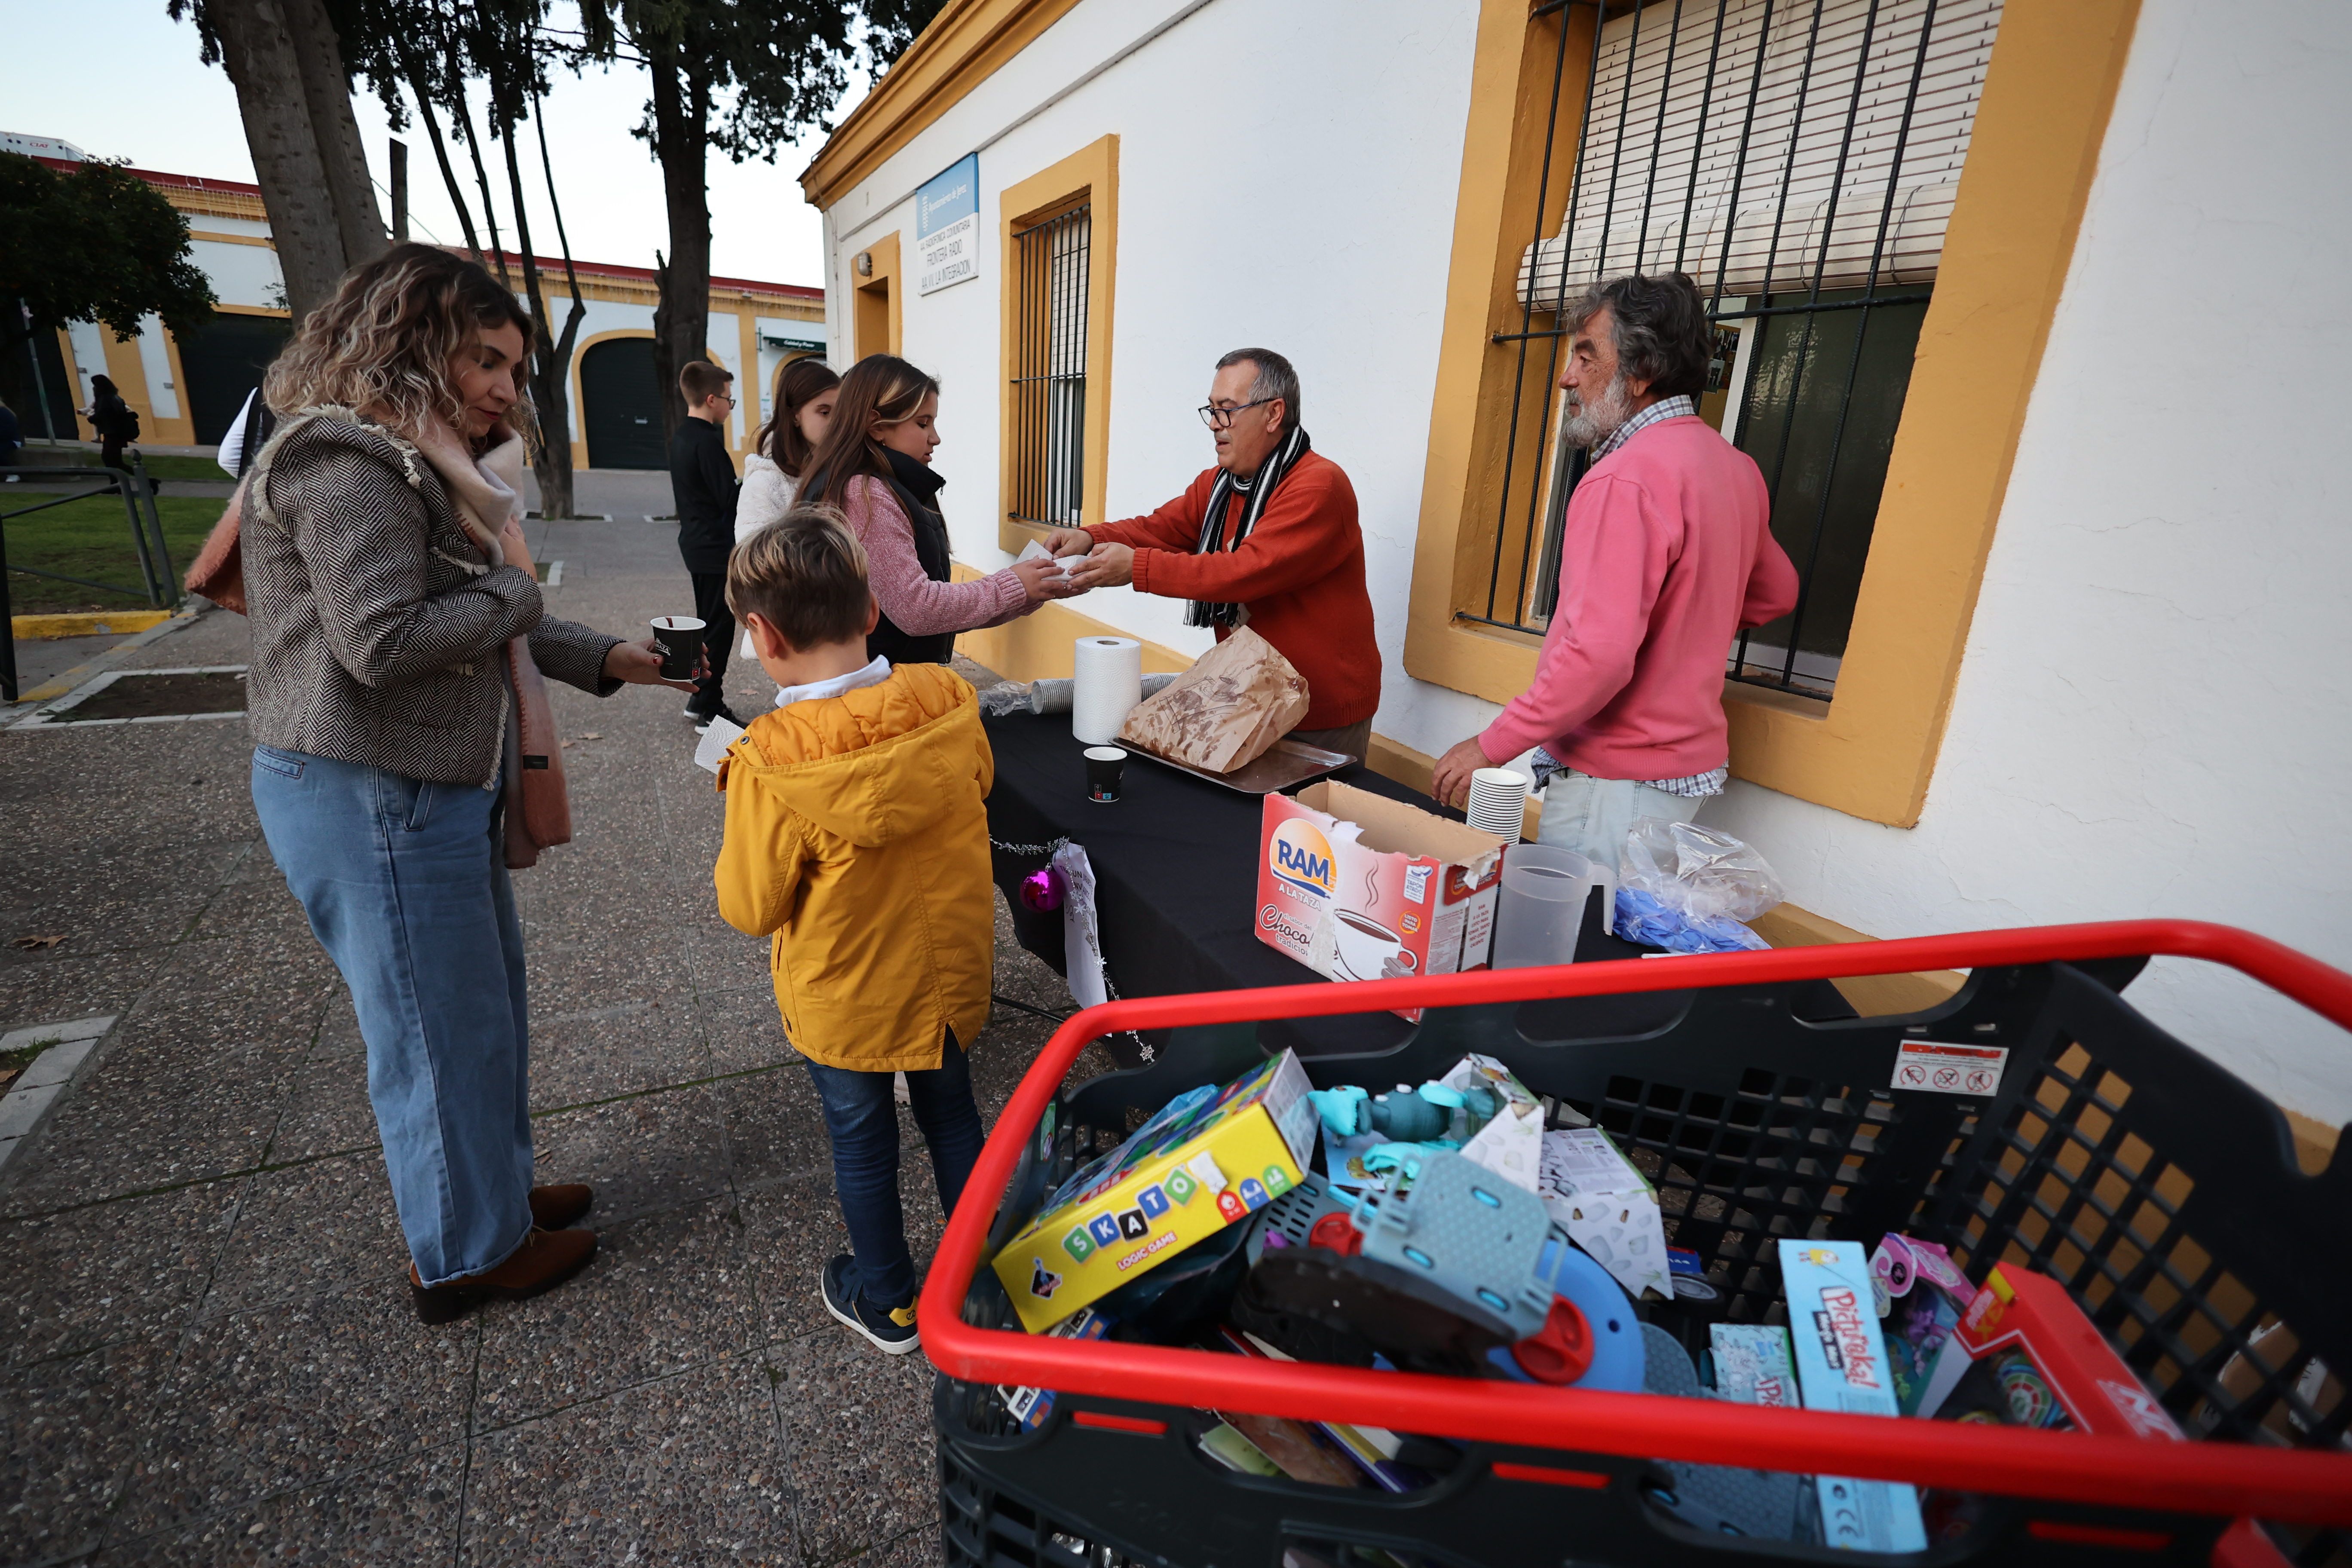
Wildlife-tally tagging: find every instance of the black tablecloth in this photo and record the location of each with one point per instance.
(1175, 865)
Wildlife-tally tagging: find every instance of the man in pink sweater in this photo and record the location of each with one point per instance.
(1668, 552)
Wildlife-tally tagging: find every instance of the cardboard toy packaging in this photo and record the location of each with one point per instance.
(1607, 1206)
(1355, 886)
(1751, 1364)
(2065, 1354)
(1209, 1158)
(1841, 1365)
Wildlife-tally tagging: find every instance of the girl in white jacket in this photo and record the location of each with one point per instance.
(801, 409)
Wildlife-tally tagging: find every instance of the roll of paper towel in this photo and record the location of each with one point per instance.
(1052, 695)
(1107, 681)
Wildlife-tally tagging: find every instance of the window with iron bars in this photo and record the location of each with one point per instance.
(1799, 160)
(1048, 405)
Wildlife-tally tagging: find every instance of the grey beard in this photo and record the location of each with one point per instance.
(1595, 422)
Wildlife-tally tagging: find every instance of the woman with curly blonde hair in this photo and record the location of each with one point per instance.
(385, 574)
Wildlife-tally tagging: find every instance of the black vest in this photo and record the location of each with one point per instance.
(916, 486)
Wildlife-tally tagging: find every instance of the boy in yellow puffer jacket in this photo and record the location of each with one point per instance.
(856, 837)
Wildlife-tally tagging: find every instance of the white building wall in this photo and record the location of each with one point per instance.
(1287, 178)
(2153, 717)
(155, 363)
(241, 274)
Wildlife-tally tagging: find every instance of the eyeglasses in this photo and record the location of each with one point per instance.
(1217, 418)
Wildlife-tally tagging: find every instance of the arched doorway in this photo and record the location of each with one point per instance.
(620, 406)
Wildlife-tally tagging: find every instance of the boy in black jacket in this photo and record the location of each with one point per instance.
(702, 478)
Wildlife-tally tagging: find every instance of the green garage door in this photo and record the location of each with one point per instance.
(223, 363)
(621, 405)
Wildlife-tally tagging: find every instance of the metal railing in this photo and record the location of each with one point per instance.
(1797, 158)
(161, 587)
(1047, 394)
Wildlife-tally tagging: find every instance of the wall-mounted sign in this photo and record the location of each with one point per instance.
(947, 227)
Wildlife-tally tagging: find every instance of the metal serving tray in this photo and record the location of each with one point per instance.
(1285, 763)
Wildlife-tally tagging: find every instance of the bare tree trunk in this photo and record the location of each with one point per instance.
(489, 207)
(327, 89)
(554, 386)
(441, 156)
(682, 319)
(258, 49)
(552, 462)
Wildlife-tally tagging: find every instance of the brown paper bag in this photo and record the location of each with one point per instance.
(1236, 702)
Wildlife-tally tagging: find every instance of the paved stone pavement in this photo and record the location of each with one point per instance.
(207, 1353)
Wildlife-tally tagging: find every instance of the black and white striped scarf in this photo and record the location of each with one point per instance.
(1254, 496)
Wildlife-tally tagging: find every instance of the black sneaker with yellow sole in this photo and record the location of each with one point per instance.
(892, 1330)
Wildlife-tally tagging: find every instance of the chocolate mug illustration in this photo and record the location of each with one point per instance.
(1368, 950)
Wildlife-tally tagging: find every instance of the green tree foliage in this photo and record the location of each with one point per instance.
(96, 245)
(742, 76)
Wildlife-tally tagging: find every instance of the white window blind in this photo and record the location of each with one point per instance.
(1661, 182)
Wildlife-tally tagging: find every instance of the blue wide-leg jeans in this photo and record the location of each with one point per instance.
(406, 889)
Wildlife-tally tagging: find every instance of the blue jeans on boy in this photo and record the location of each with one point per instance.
(406, 889)
(861, 1118)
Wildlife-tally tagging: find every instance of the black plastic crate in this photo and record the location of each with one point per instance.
(2161, 1190)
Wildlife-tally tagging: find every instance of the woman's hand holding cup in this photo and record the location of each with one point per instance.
(639, 665)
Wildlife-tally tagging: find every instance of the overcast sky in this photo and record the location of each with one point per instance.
(121, 78)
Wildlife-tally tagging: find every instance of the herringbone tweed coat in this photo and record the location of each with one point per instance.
(379, 627)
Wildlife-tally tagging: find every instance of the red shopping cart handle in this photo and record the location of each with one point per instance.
(2215, 1478)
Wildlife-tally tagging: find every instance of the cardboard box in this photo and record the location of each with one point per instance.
(1358, 886)
(1841, 1365)
(1206, 1161)
(2032, 1314)
(1607, 1206)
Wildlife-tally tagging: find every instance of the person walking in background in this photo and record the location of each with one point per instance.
(798, 413)
(702, 481)
(114, 421)
(875, 465)
(12, 439)
(858, 837)
(1268, 537)
(385, 574)
(1666, 554)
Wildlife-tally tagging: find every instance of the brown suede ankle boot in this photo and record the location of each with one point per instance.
(552, 1208)
(545, 1259)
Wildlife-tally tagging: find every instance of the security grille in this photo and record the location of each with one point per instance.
(1048, 401)
(1799, 159)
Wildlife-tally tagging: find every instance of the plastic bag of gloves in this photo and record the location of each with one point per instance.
(1689, 888)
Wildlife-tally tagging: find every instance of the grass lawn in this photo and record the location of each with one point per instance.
(90, 538)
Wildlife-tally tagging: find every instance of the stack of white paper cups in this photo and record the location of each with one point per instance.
(1498, 801)
(1106, 680)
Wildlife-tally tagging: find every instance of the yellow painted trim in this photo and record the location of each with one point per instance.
(93, 624)
(1043, 644)
(252, 310)
(2047, 98)
(965, 44)
(747, 343)
(187, 420)
(876, 308)
(262, 240)
(1091, 175)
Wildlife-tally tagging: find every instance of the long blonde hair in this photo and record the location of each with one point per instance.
(381, 345)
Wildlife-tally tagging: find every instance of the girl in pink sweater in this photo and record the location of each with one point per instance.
(875, 464)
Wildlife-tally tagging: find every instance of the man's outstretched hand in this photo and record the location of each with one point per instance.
(1449, 781)
(1108, 566)
(1061, 541)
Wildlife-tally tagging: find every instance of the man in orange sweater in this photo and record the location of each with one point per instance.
(1282, 554)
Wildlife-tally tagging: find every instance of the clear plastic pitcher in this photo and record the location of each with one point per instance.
(1539, 911)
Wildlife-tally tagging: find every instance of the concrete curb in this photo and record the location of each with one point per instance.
(89, 623)
(37, 1090)
(30, 704)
